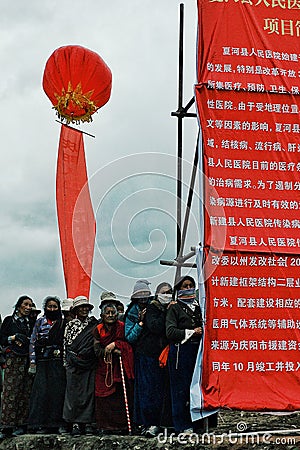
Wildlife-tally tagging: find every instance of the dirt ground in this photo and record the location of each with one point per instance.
(235, 430)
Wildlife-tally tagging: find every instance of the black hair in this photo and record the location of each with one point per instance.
(20, 301)
(52, 298)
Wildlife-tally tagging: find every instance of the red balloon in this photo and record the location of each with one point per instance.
(77, 82)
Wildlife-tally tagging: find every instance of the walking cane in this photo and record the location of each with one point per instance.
(125, 396)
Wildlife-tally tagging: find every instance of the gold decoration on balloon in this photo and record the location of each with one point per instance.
(67, 101)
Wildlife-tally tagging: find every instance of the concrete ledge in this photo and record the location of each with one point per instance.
(212, 441)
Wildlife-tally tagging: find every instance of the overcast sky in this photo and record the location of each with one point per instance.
(131, 162)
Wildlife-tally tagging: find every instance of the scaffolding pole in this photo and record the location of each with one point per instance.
(181, 113)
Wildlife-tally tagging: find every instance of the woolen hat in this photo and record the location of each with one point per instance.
(109, 297)
(81, 300)
(67, 304)
(141, 286)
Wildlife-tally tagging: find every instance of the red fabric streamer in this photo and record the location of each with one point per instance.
(77, 226)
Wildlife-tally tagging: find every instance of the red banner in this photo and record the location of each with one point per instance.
(251, 163)
(248, 105)
(252, 342)
(249, 45)
(76, 220)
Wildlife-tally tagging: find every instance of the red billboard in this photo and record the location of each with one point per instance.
(248, 107)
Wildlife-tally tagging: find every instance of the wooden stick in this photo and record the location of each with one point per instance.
(125, 396)
(76, 129)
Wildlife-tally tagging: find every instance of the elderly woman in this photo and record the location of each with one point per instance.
(15, 333)
(80, 362)
(109, 347)
(184, 331)
(109, 297)
(45, 353)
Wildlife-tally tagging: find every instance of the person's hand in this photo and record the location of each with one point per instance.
(32, 369)
(18, 342)
(172, 302)
(198, 331)
(117, 351)
(109, 348)
(141, 315)
(20, 339)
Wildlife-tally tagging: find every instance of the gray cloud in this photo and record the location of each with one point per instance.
(139, 41)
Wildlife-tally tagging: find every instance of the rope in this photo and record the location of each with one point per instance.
(109, 370)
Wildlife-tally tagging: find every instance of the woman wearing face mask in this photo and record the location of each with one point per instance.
(134, 317)
(45, 353)
(80, 362)
(184, 331)
(150, 378)
(14, 337)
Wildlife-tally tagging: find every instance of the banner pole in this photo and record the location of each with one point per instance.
(188, 207)
(179, 132)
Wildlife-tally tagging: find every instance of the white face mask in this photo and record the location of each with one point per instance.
(164, 299)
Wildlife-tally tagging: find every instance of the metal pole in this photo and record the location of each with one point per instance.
(188, 206)
(179, 130)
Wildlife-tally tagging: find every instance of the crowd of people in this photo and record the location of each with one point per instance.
(66, 371)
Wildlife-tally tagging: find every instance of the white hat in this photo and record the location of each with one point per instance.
(67, 304)
(107, 296)
(81, 300)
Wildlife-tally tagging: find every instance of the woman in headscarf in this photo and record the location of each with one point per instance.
(110, 346)
(134, 320)
(150, 390)
(80, 362)
(136, 311)
(15, 333)
(46, 360)
(184, 331)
